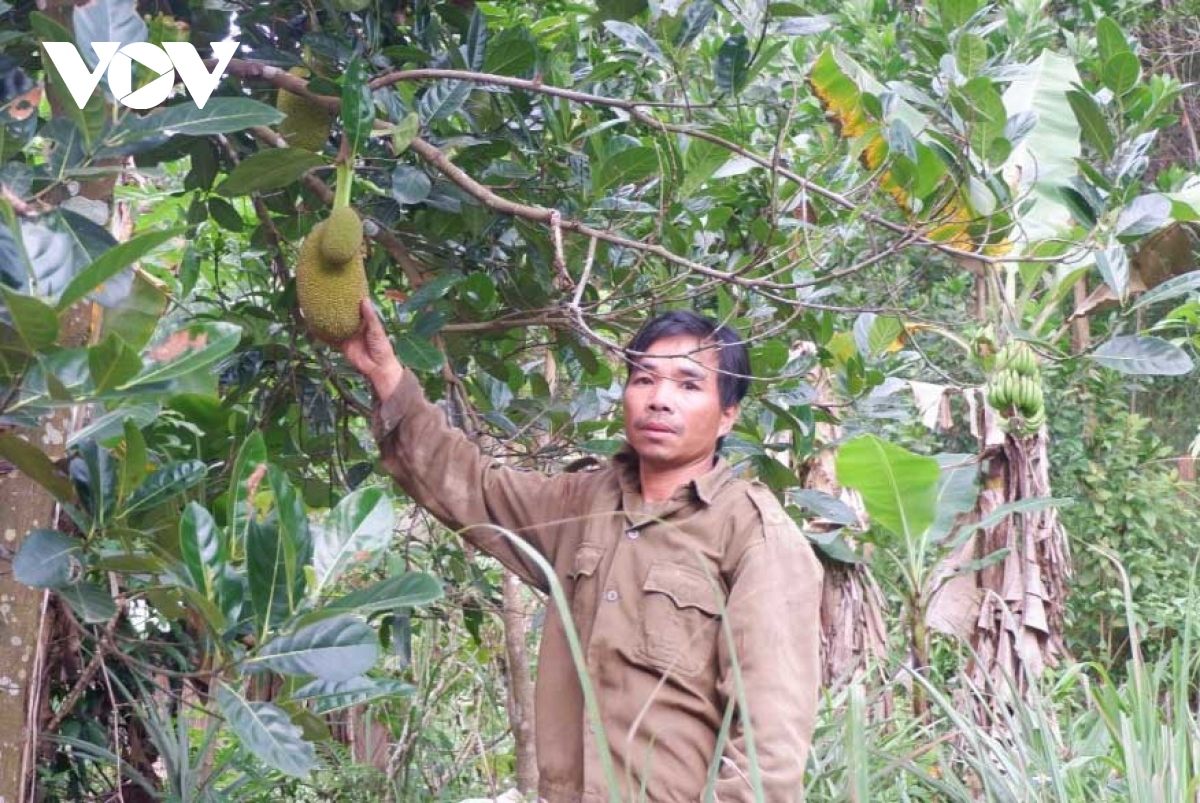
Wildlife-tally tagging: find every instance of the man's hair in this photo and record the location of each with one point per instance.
(733, 358)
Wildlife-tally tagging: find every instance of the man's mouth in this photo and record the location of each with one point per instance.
(656, 427)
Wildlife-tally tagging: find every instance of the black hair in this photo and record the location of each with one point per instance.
(733, 358)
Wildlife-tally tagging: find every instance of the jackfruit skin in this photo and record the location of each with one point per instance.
(306, 124)
(329, 294)
(343, 237)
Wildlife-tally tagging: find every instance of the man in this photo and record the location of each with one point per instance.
(691, 591)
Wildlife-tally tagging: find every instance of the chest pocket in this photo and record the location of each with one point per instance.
(680, 619)
(583, 590)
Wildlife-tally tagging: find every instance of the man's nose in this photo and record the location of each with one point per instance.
(660, 399)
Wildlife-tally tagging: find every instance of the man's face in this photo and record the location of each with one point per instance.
(673, 413)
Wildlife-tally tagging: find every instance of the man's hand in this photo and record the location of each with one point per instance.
(371, 354)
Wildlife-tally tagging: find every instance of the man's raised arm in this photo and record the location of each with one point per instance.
(443, 471)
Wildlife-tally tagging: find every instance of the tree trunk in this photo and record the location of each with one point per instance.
(853, 634)
(24, 506)
(516, 613)
(1011, 613)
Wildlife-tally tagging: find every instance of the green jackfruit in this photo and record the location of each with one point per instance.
(306, 124)
(329, 293)
(343, 236)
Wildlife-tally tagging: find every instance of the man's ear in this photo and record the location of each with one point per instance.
(729, 417)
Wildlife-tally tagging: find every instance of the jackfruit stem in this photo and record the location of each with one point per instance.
(345, 178)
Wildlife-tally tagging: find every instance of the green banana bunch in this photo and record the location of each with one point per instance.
(1015, 390)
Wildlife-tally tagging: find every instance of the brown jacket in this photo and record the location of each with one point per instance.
(663, 597)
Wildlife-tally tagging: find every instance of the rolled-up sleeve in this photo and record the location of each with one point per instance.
(773, 617)
(446, 473)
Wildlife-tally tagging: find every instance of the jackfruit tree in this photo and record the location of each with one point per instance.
(946, 229)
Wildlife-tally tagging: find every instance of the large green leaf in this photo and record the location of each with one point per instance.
(331, 649)
(733, 61)
(171, 479)
(957, 491)
(408, 590)
(199, 346)
(48, 559)
(34, 464)
(201, 545)
(249, 469)
(898, 487)
(267, 732)
(358, 528)
(637, 39)
(696, 17)
(269, 170)
(1045, 159)
(219, 116)
(325, 696)
(358, 105)
(35, 321)
(92, 603)
(106, 21)
(627, 167)
(512, 52)
(112, 262)
(1139, 354)
(274, 598)
(442, 100)
(297, 542)
(112, 362)
(1172, 288)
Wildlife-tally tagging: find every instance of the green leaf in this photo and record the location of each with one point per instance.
(474, 47)
(1122, 72)
(983, 111)
(405, 132)
(512, 52)
(269, 169)
(112, 262)
(297, 541)
(35, 321)
(360, 526)
(1091, 122)
(106, 21)
(1113, 264)
(201, 545)
(408, 590)
(325, 696)
(332, 649)
(957, 492)
(899, 488)
(1172, 288)
(48, 559)
(410, 185)
(219, 116)
(970, 54)
(112, 362)
(1142, 355)
(34, 464)
(268, 552)
(637, 39)
(248, 471)
(620, 9)
(91, 602)
(417, 353)
(733, 59)
(267, 732)
(627, 167)
(1110, 39)
(134, 461)
(825, 505)
(696, 18)
(443, 100)
(1144, 214)
(956, 13)
(358, 105)
(171, 479)
(973, 566)
(203, 345)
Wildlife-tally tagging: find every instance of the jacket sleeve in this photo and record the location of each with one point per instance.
(444, 472)
(773, 614)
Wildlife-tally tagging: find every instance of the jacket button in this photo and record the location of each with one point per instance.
(633, 534)
(611, 595)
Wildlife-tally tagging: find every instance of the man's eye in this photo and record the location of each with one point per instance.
(691, 386)
(642, 380)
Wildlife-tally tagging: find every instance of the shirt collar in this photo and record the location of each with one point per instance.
(705, 487)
